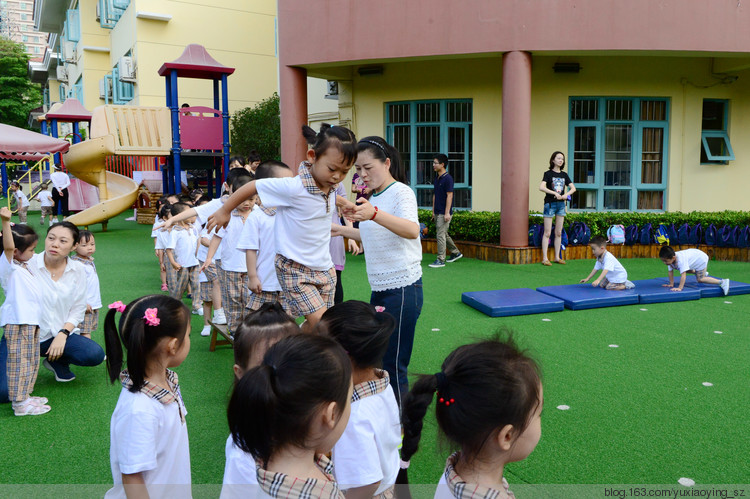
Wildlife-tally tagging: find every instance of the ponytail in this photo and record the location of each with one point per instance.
(413, 411)
(112, 346)
(251, 412)
(338, 137)
(382, 150)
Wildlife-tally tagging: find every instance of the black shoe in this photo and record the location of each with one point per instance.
(454, 257)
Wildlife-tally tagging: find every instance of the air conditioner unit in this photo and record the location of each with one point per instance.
(127, 69)
(105, 88)
(332, 87)
(62, 74)
(69, 52)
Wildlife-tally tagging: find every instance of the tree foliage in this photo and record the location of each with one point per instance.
(258, 128)
(18, 96)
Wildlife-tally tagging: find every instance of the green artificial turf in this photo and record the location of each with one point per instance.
(638, 413)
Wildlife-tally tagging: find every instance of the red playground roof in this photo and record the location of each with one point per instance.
(71, 110)
(195, 62)
(22, 145)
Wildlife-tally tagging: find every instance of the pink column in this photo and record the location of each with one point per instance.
(514, 188)
(293, 96)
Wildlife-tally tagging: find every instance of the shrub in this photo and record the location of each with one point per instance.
(258, 128)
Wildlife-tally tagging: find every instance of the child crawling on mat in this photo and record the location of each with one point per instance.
(689, 261)
(613, 276)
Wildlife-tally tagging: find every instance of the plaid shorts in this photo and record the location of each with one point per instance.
(207, 287)
(46, 210)
(699, 274)
(22, 212)
(234, 287)
(257, 300)
(90, 322)
(305, 290)
(23, 360)
(610, 285)
(180, 279)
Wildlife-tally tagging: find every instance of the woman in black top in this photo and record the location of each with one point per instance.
(553, 185)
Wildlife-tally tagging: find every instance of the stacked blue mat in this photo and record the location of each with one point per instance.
(524, 301)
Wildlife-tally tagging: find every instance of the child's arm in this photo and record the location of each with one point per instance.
(346, 231)
(683, 276)
(9, 246)
(670, 284)
(215, 242)
(190, 212)
(593, 271)
(205, 241)
(253, 282)
(223, 214)
(601, 276)
(353, 246)
(135, 486)
(170, 257)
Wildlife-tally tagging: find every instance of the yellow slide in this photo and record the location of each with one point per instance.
(116, 130)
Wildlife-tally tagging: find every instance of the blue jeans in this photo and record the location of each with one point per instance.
(555, 208)
(405, 305)
(78, 351)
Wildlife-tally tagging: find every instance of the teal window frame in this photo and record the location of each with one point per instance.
(62, 93)
(444, 128)
(715, 159)
(110, 11)
(77, 90)
(599, 125)
(72, 25)
(122, 91)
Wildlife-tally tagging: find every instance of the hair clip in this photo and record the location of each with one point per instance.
(150, 317)
(118, 305)
(378, 308)
(446, 402)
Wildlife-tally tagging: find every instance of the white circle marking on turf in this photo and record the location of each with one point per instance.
(706, 383)
(728, 302)
(563, 407)
(644, 310)
(718, 332)
(546, 320)
(687, 482)
(435, 329)
(614, 346)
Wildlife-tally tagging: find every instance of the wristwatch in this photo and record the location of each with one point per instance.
(64, 331)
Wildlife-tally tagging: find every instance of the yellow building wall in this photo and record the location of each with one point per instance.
(691, 186)
(92, 65)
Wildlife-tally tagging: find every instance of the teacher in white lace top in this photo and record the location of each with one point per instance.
(389, 229)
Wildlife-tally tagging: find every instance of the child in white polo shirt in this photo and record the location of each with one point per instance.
(303, 219)
(613, 276)
(23, 201)
(259, 243)
(46, 203)
(689, 261)
(232, 262)
(84, 254)
(183, 264)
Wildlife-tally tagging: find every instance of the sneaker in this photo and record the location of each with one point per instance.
(62, 374)
(30, 408)
(219, 317)
(725, 286)
(437, 264)
(206, 331)
(454, 256)
(198, 311)
(629, 285)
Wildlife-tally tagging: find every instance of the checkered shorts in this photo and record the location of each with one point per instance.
(22, 212)
(305, 290)
(604, 283)
(699, 274)
(207, 287)
(179, 281)
(257, 300)
(234, 287)
(46, 210)
(23, 360)
(90, 322)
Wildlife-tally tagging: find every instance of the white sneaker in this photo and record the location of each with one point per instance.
(198, 311)
(629, 285)
(219, 317)
(725, 286)
(206, 331)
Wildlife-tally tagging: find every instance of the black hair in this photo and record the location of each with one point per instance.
(17, 185)
(552, 160)
(186, 199)
(71, 227)
(161, 202)
(338, 137)
(273, 405)
(196, 194)
(382, 150)
(85, 236)
(483, 387)
(23, 237)
(361, 330)
(441, 158)
(238, 159)
(600, 241)
(165, 210)
(239, 179)
(140, 338)
(253, 156)
(261, 328)
(178, 208)
(201, 200)
(236, 172)
(666, 252)
(267, 169)
(177, 196)
(185, 104)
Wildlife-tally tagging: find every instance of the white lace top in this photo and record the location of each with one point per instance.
(392, 261)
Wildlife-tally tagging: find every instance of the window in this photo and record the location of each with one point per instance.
(715, 146)
(77, 90)
(72, 25)
(420, 129)
(618, 153)
(110, 11)
(24, 16)
(23, 6)
(122, 91)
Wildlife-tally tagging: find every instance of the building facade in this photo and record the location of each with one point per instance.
(17, 24)
(648, 102)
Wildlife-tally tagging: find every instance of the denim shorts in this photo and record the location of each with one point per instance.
(554, 208)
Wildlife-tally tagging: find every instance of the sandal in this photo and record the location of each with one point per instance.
(29, 408)
(561, 262)
(546, 263)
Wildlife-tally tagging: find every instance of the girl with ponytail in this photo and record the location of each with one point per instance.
(287, 413)
(489, 404)
(149, 450)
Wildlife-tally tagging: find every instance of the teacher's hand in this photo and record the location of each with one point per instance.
(360, 213)
(57, 347)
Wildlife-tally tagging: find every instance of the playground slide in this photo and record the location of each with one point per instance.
(117, 193)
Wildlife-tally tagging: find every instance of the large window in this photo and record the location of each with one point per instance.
(618, 153)
(420, 129)
(715, 146)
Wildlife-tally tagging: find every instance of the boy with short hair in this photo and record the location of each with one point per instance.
(442, 211)
(47, 203)
(689, 261)
(183, 264)
(613, 276)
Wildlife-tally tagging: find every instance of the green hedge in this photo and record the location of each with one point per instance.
(484, 226)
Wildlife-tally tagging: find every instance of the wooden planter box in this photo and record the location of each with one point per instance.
(495, 253)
